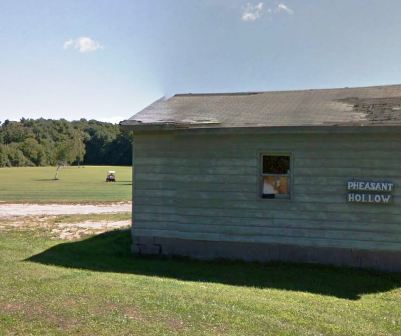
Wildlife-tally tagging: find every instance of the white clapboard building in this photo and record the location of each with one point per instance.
(308, 176)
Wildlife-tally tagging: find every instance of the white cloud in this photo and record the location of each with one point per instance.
(284, 8)
(252, 12)
(68, 44)
(83, 44)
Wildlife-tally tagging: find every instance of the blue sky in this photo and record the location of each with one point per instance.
(108, 59)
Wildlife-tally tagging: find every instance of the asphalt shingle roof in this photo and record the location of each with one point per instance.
(365, 106)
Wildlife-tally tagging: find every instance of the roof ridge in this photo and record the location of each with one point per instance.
(245, 93)
(218, 94)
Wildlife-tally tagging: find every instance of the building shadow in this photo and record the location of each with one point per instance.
(110, 252)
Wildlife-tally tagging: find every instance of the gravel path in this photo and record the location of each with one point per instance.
(15, 210)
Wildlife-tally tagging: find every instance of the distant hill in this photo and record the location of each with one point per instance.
(43, 142)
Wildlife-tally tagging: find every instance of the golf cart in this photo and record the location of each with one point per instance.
(111, 176)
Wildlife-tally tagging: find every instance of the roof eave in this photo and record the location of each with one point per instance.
(133, 125)
(144, 128)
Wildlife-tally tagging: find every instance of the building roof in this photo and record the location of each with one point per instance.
(364, 106)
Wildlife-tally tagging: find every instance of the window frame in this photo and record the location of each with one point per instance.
(289, 175)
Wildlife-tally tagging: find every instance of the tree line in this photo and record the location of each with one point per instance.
(44, 142)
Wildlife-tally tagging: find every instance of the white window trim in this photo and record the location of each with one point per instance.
(290, 175)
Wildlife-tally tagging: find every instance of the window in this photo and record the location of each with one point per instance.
(276, 176)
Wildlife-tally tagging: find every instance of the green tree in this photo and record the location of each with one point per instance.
(48, 142)
(4, 160)
(33, 151)
(16, 157)
(77, 147)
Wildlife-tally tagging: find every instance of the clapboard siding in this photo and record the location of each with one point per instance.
(174, 162)
(227, 207)
(247, 215)
(198, 186)
(302, 140)
(330, 186)
(198, 170)
(243, 191)
(283, 145)
(207, 187)
(221, 153)
(258, 216)
(253, 231)
(269, 222)
(215, 200)
(377, 169)
(210, 197)
(166, 164)
(196, 177)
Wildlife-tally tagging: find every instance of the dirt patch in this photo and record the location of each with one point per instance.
(10, 210)
(35, 311)
(176, 324)
(133, 313)
(61, 230)
(129, 312)
(73, 231)
(12, 308)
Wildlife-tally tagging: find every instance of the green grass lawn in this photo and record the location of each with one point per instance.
(95, 287)
(84, 184)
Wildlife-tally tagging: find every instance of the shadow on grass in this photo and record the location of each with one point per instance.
(110, 252)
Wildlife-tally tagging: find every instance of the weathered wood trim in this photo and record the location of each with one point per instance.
(296, 129)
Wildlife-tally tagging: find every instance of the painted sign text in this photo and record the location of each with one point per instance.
(369, 192)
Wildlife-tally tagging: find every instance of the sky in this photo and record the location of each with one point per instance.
(107, 60)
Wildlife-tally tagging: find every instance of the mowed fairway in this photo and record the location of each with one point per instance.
(84, 184)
